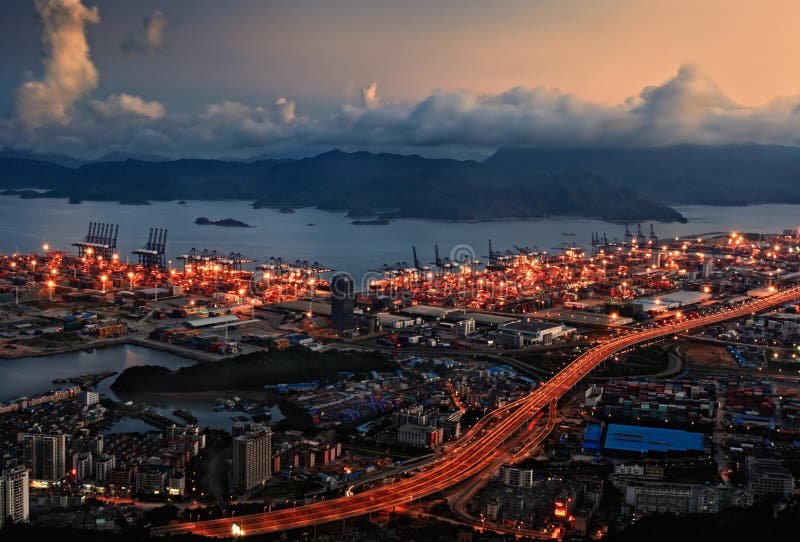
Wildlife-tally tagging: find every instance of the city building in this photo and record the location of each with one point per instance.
(103, 465)
(420, 436)
(252, 454)
(643, 497)
(176, 484)
(185, 439)
(517, 477)
(451, 425)
(14, 495)
(45, 455)
(343, 300)
(88, 398)
(768, 477)
(151, 479)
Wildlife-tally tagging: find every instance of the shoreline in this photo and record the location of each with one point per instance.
(198, 355)
(22, 353)
(463, 220)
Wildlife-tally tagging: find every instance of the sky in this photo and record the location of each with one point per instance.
(440, 78)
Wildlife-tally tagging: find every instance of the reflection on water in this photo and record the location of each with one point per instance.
(333, 240)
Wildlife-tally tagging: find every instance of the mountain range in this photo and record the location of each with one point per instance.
(612, 183)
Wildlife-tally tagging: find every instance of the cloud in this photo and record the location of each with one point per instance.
(369, 96)
(686, 108)
(122, 105)
(283, 111)
(69, 73)
(148, 38)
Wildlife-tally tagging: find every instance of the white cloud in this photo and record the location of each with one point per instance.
(69, 73)
(121, 105)
(369, 96)
(283, 111)
(148, 38)
(687, 108)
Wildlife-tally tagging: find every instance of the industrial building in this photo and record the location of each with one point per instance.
(672, 301)
(526, 332)
(768, 477)
(632, 438)
(676, 498)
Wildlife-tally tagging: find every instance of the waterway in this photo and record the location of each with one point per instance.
(333, 240)
(26, 376)
(308, 234)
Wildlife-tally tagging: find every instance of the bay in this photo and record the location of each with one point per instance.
(333, 240)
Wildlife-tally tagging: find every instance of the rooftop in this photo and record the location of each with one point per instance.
(632, 438)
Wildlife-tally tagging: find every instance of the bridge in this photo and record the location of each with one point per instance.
(480, 448)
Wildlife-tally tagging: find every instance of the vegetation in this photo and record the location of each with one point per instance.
(411, 186)
(645, 361)
(250, 371)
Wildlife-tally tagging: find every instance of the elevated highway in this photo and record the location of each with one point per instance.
(479, 449)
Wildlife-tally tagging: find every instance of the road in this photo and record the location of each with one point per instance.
(479, 449)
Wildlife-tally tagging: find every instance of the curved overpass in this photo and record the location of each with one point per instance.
(480, 447)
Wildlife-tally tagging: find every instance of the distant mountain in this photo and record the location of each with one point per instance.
(411, 186)
(59, 159)
(117, 156)
(719, 175)
(25, 173)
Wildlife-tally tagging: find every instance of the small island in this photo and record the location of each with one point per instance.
(227, 222)
(373, 222)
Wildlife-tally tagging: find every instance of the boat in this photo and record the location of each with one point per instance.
(286, 210)
(569, 234)
(375, 222)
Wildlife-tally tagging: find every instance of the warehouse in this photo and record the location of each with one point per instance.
(526, 332)
(672, 301)
(212, 321)
(632, 438)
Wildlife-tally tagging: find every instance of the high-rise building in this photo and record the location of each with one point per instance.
(45, 455)
(343, 300)
(103, 465)
(54, 464)
(252, 455)
(14, 495)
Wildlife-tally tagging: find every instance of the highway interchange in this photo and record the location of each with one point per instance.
(478, 449)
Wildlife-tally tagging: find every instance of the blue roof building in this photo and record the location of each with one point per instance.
(632, 438)
(591, 437)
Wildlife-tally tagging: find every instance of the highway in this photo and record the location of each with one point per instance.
(480, 447)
